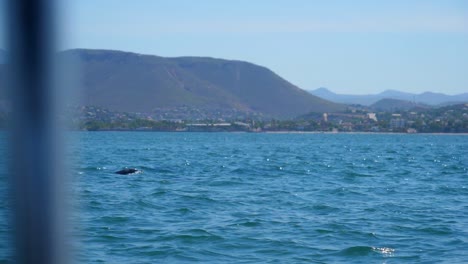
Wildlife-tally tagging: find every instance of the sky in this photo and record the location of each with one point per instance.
(354, 47)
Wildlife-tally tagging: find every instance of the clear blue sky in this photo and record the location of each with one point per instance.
(348, 46)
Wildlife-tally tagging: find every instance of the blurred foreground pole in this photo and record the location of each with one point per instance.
(36, 165)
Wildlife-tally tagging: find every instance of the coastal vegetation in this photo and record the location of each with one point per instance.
(129, 91)
(449, 119)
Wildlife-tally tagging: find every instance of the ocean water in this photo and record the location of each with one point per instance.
(270, 198)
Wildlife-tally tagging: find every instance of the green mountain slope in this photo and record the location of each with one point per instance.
(133, 83)
(257, 87)
(396, 104)
(130, 82)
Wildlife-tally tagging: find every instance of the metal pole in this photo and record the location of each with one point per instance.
(36, 164)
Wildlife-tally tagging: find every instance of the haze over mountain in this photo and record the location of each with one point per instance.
(129, 82)
(390, 105)
(429, 98)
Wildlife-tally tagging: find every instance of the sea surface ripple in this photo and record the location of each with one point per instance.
(270, 198)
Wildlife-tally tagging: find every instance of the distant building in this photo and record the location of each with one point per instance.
(325, 117)
(242, 124)
(372, 116)
(347, 126)
(397, 123)
(222, 124)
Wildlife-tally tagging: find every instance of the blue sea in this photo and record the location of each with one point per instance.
(269, 198)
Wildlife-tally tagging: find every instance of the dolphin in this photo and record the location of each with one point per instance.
(127, 171)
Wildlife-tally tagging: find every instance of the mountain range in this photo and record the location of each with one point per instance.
(428, 98)
(392, 105)
(130, 82)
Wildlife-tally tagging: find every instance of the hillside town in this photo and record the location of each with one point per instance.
(449, 119)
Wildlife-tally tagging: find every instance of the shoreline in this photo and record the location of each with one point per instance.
(284, 132)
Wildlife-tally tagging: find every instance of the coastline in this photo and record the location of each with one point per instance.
(282, 132)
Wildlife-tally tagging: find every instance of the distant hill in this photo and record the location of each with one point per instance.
(390, 105)
(129, 82)
(424, 98)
